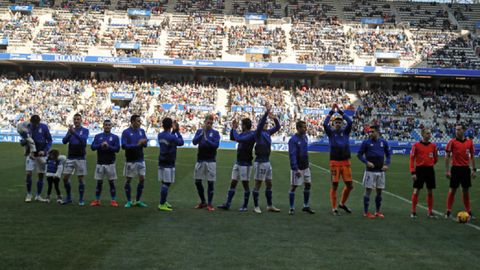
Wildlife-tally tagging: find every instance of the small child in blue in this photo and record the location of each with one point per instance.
(54, 169)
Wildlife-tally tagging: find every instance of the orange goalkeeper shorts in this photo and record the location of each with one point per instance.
(340, 169)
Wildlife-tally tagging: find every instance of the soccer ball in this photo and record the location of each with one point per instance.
(463, 217)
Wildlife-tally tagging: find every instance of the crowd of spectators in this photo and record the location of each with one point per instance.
(242, 37)
(56, 100)
(18, 27)
(194, 6)
(196, 36)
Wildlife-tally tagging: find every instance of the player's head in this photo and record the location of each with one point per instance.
(246, 124)
(301, 127)
(135, 121)
(107, 125)
(459, 131)
(77, 120)
(167, 123)
(374, 132)
(208, 121)
(53, 154)
(337, 121)
(426, 134)
(35, 120)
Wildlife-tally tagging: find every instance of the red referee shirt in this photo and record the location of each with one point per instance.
(461, 151)
(423, 154)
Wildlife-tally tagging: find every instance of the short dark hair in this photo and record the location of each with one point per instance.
(461, 125)
(77, 114)
(134, 117)
(247, 123)
(107, 121)
(300, 123)
(167, 123)
(35, 119)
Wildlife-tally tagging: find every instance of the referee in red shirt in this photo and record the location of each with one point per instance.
(423, 157)
(461, 152)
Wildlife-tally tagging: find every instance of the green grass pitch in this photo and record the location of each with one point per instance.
(49, 236)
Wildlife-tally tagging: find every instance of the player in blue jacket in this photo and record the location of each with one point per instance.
(35, 160)
(76, 138)
(375, 153)
(168, 140)
(262, 166)
(107, 145)
(208, 141)
(300, 168)
(134, 140)
(243, 166)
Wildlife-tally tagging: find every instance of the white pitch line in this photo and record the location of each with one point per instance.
(396, 196)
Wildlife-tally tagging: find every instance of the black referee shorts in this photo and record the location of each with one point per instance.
(425, 175)
(460, 176)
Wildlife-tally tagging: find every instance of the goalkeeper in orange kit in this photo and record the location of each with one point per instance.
(339, 140)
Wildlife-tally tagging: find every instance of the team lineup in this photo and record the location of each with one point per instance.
(374, 153)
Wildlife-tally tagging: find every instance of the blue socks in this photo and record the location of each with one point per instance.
(139, 190)
(39, 186)
(255, 197)
(230, 194)
(378, 202)
(68, 190)
(81, 190)
(163, 194)
(128, 191)
(211, 188)
(200, 190)
(246, 196)
(98, 190)
(268, 194)
(366, 202)
(113, 191)
(29, 184)
(291, 197)
(306, 197)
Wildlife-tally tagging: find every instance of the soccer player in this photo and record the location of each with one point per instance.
(262, 167)
(207, 140)
(375, 153)
(106, 144)
(133, 141)
(39, 134)
(168, 140)
(76, 138)
(242, 168)
(299, 165)
(423, 157)
(460, 153)
(338, 138)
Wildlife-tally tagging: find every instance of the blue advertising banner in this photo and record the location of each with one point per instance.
(133, 12)
(397, 148)
(4, 42)
(238, 64)
(258, 17)
(477, 25)
(28, 8)
(372, 21)
(122, 95)
(127, 46)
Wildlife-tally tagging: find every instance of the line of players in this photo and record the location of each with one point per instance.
(374, 153)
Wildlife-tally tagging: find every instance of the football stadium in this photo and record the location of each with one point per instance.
(250, 134)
